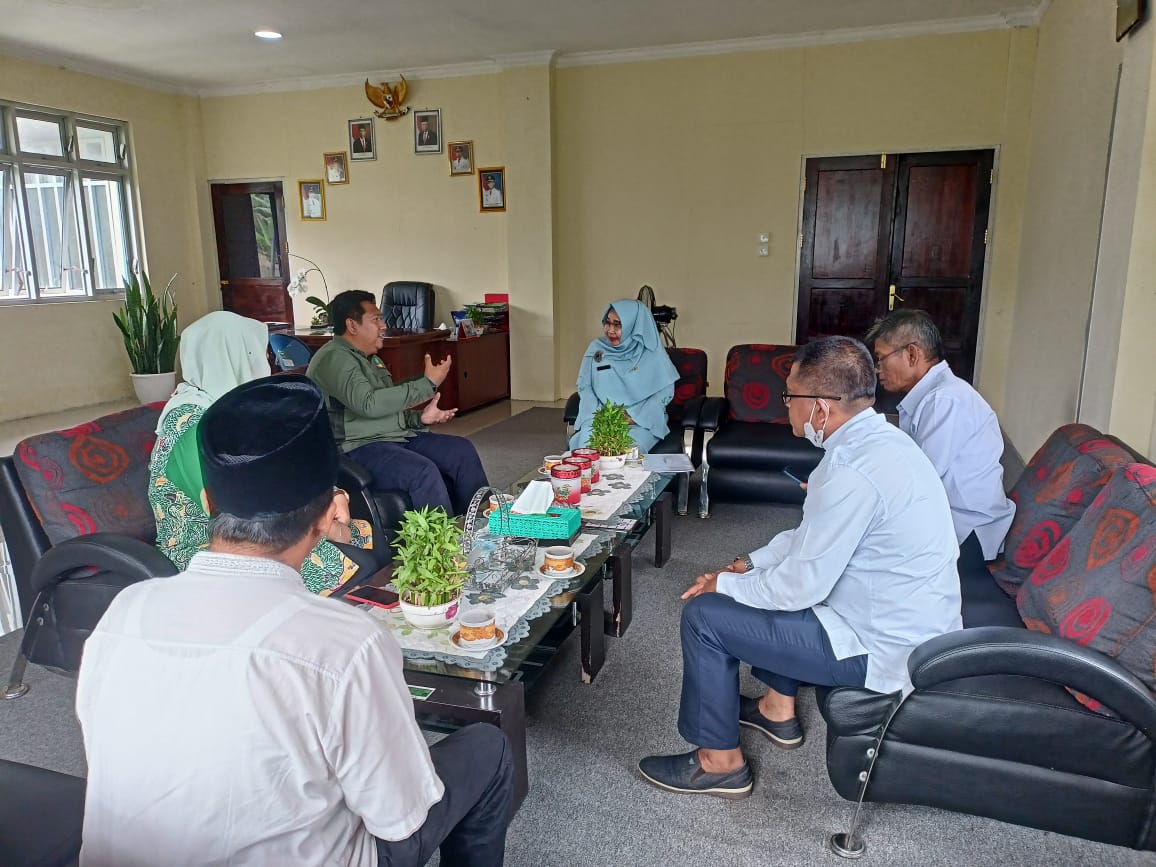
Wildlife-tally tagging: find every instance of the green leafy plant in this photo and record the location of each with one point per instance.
(430, 567)
(476, 316)
(148, 325)
(320, 310)
(610, 430)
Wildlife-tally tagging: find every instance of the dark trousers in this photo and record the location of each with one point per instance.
(971, 556)
(785, 649)
(469, 823)
(434, 469)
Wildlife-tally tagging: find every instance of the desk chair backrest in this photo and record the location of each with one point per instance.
(756, 377)
(291, 353)
(408, 305)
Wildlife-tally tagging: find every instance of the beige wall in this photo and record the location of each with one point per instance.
(67, 354)
(1075, 82)
(667, 172)
(401, 216)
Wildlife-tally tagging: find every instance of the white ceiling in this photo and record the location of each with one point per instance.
(207, 46)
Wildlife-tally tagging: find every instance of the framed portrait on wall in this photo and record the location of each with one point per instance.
(461, 157)
(427, 131)
(336, 168)
(492, 188)
(362, 143)
(311, 197)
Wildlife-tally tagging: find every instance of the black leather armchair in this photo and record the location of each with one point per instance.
(747, 440)
(382, 509)
(408, 305)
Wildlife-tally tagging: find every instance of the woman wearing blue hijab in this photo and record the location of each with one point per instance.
(626, 365)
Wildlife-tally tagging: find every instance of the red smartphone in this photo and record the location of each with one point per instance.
(378, 596)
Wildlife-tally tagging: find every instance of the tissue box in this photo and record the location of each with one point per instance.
(559, 524)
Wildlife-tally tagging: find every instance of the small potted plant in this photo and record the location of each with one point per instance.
(431, 569)
(610, 434)
(320, 311)
(149, 328)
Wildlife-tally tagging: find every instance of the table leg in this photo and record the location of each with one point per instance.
(663, 514)
(456, 701)
(620, 566)
(588, 610)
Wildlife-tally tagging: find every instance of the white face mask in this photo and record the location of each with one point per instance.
(815, 436)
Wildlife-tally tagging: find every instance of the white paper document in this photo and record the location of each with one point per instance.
(678, 463)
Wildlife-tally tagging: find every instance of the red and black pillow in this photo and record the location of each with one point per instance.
(756, 377)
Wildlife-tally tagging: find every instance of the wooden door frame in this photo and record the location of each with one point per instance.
(233, 185)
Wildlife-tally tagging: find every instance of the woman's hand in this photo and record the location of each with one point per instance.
(339, 530)
(341, 501)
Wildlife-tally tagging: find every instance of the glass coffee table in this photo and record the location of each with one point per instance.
(450, 693)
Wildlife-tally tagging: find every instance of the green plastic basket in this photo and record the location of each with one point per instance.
(559, 523)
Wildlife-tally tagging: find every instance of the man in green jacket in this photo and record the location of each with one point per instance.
(376, 421)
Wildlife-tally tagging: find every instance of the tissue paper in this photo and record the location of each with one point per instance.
(536, 499)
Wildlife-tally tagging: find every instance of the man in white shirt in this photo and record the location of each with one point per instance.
(491, 195)
(460, 165)
(843, 599)
(952, 424)
(232, 717)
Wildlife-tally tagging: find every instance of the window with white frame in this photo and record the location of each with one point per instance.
(67, 228)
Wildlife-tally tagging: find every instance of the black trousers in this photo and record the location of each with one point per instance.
(469, 823)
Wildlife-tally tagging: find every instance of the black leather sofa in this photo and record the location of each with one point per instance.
(747, 440)
(991, 728)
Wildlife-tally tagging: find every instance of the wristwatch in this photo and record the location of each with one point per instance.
(746, 561)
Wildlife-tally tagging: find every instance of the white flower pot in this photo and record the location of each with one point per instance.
(431, 617)
(154, 387)
(608, 463)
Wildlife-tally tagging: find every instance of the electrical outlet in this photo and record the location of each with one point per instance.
(764, 251)
(765, 238)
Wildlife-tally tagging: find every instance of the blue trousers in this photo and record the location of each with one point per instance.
(434, 469)
(785, 649)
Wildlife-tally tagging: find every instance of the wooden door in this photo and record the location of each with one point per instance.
(885, 231)
(249, 220)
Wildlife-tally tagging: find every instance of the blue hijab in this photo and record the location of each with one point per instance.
(639, 366)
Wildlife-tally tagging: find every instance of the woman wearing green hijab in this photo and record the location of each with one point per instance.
(626, 365)
(219, 352)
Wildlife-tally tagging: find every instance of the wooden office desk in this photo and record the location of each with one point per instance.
(480, 373)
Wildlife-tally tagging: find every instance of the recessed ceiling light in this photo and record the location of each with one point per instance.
(267, 34)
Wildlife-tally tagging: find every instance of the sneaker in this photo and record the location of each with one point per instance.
(787, 734)
(684, 774)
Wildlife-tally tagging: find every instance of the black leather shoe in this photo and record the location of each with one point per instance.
(684, 774)
(787, 734)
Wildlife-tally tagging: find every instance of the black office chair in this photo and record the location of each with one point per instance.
(408, 305)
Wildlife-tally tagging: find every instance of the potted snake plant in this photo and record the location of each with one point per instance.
(610, 435)
(431, 569)
(148, 325)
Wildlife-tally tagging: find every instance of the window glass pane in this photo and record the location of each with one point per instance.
(98, 145)
(39, 136)
(106, 231)
(265, 230)
(53, 234)
(13, 271)
(250, 236)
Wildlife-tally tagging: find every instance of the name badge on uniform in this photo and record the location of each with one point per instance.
(377, 362)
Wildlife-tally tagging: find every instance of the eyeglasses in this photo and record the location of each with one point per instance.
(612, 324)
(879, 361)
(787, 397)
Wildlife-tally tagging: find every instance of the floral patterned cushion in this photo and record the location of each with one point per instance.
(756, 377)
(94, 477)
(1097, 587)
(691, 365)
(1057, 485)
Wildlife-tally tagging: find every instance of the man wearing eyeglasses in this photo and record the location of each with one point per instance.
(842, 600)
(953, 425)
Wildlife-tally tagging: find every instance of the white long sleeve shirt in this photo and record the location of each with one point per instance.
(959, 432)
(231, 717)
(874, 556)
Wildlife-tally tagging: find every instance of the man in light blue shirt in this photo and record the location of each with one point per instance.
(842, 599)
(951, 423)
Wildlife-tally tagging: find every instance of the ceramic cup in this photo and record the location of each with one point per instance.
(551, 461)
(476, 626)
(559, 559)
(497, 500)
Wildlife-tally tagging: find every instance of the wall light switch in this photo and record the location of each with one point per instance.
(764, 251)
(764, 238)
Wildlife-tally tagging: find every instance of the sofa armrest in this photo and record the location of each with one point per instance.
(353, 476)
(993, 650)
(691, 411)
(570, 413)
(714, 410)
(108, 552)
